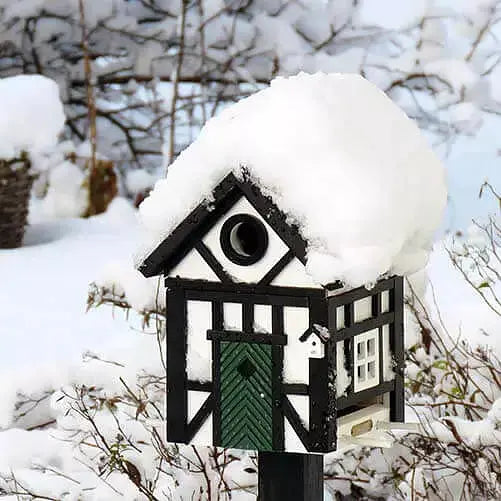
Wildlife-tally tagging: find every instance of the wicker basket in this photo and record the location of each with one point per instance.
(15, 187)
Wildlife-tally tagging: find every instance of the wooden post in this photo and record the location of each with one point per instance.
(290, 476)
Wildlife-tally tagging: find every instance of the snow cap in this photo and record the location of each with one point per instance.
(337, 156)
(31, 115)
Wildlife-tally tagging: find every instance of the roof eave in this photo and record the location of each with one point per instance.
(184, 237)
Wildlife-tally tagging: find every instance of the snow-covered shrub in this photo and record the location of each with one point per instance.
(453, 390)
(433, 58)
(66, 195)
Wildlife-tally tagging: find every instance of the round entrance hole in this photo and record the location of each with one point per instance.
(244, 239)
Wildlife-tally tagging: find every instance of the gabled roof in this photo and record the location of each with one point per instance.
(336, 156)
(186, 235)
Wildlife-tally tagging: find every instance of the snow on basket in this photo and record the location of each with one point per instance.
(266, 229)
(31, 118)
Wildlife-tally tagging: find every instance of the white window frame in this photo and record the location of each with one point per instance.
(365, 364)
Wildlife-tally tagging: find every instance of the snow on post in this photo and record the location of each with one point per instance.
(337, 156)
(31, 115)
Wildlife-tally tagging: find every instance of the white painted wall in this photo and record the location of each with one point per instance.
(204, 435)
(362, 309)
(302, 405)
(291, 441)
(296, 361)
(232, 313)
(340, 317)
(195, 401)
(385, 301)
(388, 373)
(343, 379)
(294, 275)
(193, 266)
(199, 356)
(262, 318)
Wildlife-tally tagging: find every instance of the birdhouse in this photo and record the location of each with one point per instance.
(259, 356)
(283, 233)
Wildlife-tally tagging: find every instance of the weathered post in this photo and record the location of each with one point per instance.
(291, 476)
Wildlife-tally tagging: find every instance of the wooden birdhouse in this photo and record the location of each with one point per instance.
(261, 357)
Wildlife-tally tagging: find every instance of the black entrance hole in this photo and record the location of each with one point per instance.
(244, 239)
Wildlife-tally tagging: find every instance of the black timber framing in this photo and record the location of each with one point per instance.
(277, 297)
(342, 298)
(277, 268)
(277, 354)
(246, 337)
(199, 385)
(248, 317)
(364, 395)
(242, 289)
(324, 406)
(322, 430)
(349, 347)
(365, 325)
(376, 312)
(397, 398)
(217, 324)
(213, 263)
(177, 394)
(394, 319)
(190, 231)
(296, 389)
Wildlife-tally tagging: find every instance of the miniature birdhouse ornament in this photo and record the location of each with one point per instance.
(314, 340)
(283, 236)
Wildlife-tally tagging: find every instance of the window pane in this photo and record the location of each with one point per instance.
(371, 370)
(361, 350)
(361, 373)
(371, 347)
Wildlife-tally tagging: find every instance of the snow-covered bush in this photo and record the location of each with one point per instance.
(158, 69)
(108, 442)
(453, 390)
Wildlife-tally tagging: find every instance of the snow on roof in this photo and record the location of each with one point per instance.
(335, 154)
(31, 114)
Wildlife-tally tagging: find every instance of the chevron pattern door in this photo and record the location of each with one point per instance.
(246, 396)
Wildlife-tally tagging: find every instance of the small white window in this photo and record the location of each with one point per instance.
(366, 360)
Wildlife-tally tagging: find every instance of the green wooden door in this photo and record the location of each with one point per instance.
(246, 396)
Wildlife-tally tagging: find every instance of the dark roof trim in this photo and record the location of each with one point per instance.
(189, 232)
(313, 329)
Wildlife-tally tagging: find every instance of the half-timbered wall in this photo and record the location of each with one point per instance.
(367, 327)
(213, 313)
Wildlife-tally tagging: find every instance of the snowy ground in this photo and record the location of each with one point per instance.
(44, 326)
(45, 329)
(43, 319)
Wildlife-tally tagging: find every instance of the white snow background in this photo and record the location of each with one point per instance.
(45, 330)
